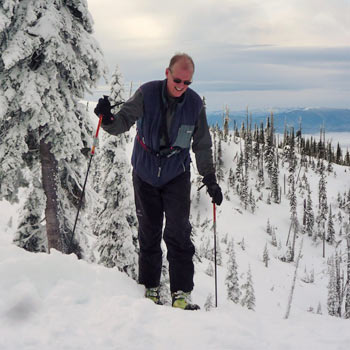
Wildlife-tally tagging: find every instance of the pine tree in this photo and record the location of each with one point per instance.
(268, 199)
(290, 253)
(248, 298)
(226, 123)
(116, 233)
(309, 214)
(333, 297)
(323, 206)
(252, 201)
(261, 180)
(266, 256)
(268, 227)
(48, 60)
(116, 96)
(275, 184)
(242, 244)
(339, 155)
(330, 228)
(30, 233)
(239, 169)
(293, 205)
(231, 179)
(219, 163)
(322, 193)
(244, 194)
(231, 280)
(290, 299)
(273, 237)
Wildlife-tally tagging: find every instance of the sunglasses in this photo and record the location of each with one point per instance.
(178, 81)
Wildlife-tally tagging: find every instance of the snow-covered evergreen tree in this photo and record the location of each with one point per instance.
(30, 233)
(269, 155)
(48, 60)
(115, 225)
(289, 253)
(322, 206)
(226, 123)
(231, 179)
(266, 256)
(309, 214)
(244, 191)
(330, 228)
(219, 163)
(275, 189)
(248, 298)
(268, 227)
(333, 301)
(116, 96)
(322, 195)
(293, 205)
(232, 280)
(252, 201)
(273, 237)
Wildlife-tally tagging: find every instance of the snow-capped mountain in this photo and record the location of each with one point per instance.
(310, 118)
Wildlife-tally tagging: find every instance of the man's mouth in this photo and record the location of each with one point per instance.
(178, 89)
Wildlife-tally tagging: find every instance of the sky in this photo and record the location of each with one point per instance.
(260, 54)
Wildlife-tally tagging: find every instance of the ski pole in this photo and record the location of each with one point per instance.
(216, 281)
(214, 226)
(94, 144)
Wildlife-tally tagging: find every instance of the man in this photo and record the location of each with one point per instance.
(169, 116)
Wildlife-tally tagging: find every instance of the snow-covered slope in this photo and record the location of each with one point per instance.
(58, 302)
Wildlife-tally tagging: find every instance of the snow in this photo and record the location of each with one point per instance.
(55, 301)
(58, 302)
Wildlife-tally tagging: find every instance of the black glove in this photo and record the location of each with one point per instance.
(104, 107)
(213, 188)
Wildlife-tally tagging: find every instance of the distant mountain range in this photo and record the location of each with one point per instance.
(311, 119)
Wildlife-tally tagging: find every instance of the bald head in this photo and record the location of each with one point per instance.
(183, 60)
(179, 74)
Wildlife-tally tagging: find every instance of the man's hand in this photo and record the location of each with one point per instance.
(104, 107)
(213, 188)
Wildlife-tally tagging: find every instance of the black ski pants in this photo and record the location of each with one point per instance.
(152, 204)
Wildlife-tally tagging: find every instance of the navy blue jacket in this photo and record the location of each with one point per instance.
(148, 107)
(148, 162)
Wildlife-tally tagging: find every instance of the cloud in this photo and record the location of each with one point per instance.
(246, 46)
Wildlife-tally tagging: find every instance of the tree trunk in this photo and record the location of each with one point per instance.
(290, 299)
(49, 178)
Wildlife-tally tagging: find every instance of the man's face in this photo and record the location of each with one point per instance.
(178, 78)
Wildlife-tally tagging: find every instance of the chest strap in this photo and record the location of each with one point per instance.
(166, 152)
